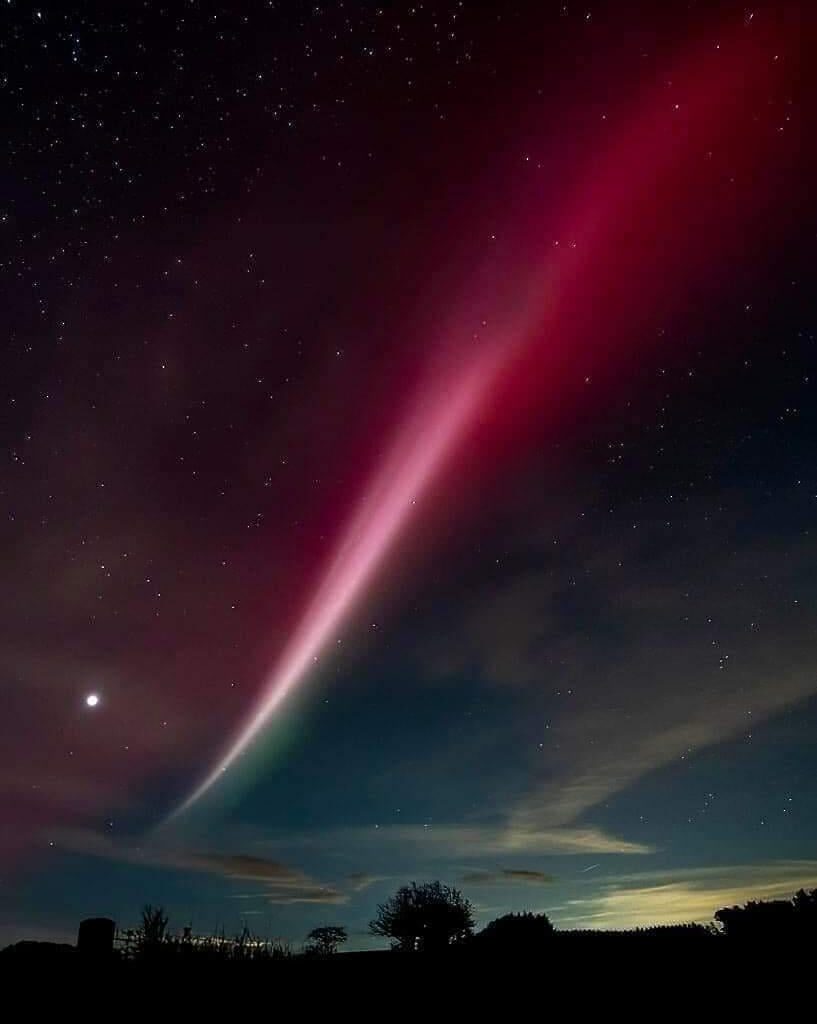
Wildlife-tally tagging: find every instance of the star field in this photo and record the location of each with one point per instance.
(453, 363)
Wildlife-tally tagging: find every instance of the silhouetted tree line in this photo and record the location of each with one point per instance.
(772, 919)
(435, 918)
(686, 934)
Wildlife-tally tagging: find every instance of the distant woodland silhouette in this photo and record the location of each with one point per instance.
(432, 918)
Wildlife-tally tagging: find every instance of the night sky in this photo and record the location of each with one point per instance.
(408, 460)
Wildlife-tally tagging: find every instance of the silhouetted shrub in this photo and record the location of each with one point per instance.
(152, 936)
(516, 933)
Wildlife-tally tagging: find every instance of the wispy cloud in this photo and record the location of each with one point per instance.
(359, 881)
(468, 840)
(280, 883)
(650, 664)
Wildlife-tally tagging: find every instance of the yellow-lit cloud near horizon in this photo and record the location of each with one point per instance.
(641, 900)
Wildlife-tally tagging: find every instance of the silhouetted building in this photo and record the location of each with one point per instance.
(95, 936)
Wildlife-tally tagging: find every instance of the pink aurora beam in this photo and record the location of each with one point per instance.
(417, 456)
(640, 180)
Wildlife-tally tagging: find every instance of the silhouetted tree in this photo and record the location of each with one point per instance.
(771, 919)
(758, 919)
(805, 906)
(325, 941)
(424, 917)
(517, 933)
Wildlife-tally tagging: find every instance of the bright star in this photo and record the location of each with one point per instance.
(92, 700)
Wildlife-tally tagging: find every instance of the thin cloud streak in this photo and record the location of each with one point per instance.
(520, 875)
